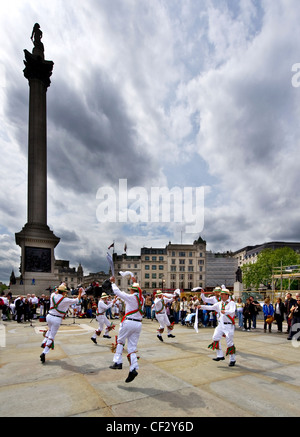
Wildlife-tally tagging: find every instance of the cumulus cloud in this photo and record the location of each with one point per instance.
(159, 93)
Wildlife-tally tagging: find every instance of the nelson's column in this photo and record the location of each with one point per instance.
(36, 240)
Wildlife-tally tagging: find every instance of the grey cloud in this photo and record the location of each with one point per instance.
(92, 137)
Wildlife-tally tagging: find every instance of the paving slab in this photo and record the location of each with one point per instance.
(177, 378)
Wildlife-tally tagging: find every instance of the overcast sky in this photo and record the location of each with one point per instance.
(160, 93)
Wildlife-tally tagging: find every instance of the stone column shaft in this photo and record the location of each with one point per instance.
(37, 154)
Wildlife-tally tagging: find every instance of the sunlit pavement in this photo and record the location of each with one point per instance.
(176, 377)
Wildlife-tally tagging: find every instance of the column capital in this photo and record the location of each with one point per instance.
(37, 68)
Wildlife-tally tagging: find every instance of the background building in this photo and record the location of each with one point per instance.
(249, 254)
(220, 269)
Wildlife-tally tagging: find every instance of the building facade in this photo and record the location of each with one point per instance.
(249, 254)
(220, 269)
(175, 266)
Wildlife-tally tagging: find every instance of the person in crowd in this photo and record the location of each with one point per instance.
(288, 304)
(279, 313)
(130, 328)
(5, 306)
(239, 310)
(148, 305)
(59, 306)
(268, 311)
(42, 306)
(295, 319)
(34, 305)
(19, 305)
(226, 313)
(255, 310)
(183, 309)
(176, 309)
(27, 309)
(103, 305)
(247, 314)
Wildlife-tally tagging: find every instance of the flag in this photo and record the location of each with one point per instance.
(111, 263)
(112, 245)
(196, 321)
(125, 247)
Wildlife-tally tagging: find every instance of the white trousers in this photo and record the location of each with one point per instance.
(102, 320)
(53, 326)
(228, 331)
(163, 321)
(130, 331)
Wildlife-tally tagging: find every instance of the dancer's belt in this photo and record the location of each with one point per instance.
(54, 315)
(227, 323)
(135, 320)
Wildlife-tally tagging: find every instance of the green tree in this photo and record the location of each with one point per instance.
(261, 272)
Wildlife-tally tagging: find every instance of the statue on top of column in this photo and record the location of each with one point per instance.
(36, 37)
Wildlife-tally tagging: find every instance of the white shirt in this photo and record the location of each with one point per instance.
(160, 303)
(229, 306)
(63, 306)
(131, 302)
(103, 307)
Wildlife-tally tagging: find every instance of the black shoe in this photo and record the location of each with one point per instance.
(231, 363)
(106, 336)
(94, 340)
(131, 376)
(219, 359)
(160, 337)
(43, 345)
(116, 366)
(42, 357)
(171, 336)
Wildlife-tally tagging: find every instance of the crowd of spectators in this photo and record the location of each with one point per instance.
(181, 310)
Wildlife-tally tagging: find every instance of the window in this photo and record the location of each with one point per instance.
(160, 267)
(161, 258)
(147, 267)
(154, 267)
(153, 275)
(147, 275)
(181, 254)
(154, 258)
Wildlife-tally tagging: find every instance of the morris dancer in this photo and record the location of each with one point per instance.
(102, 319)
(226, 311)
(59, 306)
(213, 299)
(130, 328)
(160, 313)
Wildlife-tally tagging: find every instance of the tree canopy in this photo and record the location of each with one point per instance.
(261, 272)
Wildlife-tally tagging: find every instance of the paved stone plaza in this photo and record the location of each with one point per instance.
(177, 378)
